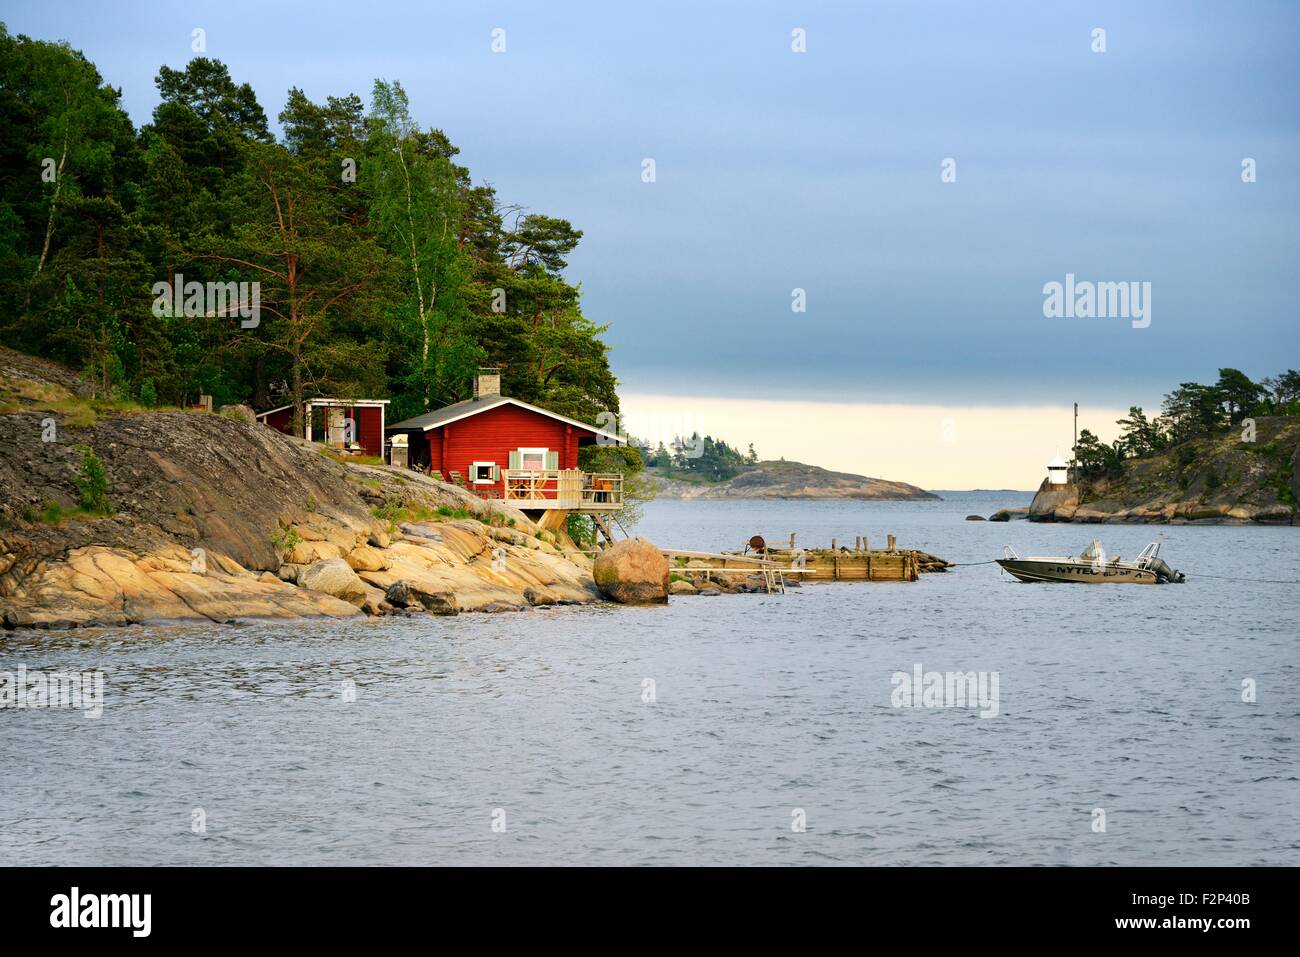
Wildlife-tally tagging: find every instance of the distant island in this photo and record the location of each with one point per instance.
(705, 467)
(1223, 453)
(782, 479)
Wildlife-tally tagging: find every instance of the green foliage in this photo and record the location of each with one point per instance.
(1140, 436)
(285, 541)
(1094, 458)
(396, 282)
(93, 483)
(395, 512)
(1235, 390)
(705, 458)
(1190, 412)
(52, 513)
(582, 530)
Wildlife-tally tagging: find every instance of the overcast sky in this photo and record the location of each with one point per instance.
(820, 171)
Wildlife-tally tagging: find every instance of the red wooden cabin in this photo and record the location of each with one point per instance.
(500, 447)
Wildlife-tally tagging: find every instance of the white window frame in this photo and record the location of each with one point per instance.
(473, 471)
(523, 452)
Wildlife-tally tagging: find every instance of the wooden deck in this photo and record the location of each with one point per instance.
(571, 490)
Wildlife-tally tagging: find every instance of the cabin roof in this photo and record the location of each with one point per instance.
(462, 410)
(333, 403)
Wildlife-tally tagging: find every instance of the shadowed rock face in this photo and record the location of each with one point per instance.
(791, 480)
(632, 572)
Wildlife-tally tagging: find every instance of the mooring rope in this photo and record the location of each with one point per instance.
(1262, 581)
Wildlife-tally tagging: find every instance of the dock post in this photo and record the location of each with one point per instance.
(857, 543)
(832, 544)
(893, 543)
(792, 540)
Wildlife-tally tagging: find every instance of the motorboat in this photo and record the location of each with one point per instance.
(1093, 567)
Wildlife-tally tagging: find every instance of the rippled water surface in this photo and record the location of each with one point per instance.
(1126, 699)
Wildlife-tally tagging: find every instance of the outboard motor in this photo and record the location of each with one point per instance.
(1165, 574)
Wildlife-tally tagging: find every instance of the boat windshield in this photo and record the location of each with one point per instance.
(1094, 552)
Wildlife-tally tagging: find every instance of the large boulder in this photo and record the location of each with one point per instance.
(333, 576)
(633, 572)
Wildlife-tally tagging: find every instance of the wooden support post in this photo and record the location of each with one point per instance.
(893, 543)
(832, 544)
(792, 539)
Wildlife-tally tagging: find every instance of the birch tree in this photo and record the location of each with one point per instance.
(414, 193)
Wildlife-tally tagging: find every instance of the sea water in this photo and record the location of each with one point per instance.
(1133, 724)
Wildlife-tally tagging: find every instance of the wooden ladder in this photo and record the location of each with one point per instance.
(602, 526)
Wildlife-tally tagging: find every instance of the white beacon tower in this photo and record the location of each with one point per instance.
(1058, 472)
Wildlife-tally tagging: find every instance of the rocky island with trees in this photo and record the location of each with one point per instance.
(705, 467)
(1227, 452)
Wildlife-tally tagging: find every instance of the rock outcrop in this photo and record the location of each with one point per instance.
(333, 576)
(1007, 514)
(1222, 480)
(215, 519)
(110, 586)
(632, 572)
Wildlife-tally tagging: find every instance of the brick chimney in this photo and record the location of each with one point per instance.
(487, 383)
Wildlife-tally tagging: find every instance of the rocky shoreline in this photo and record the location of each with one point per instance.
(207, 543)
(216, 519)
(1218, 481)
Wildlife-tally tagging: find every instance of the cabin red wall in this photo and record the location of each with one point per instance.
(370, 430)
(281, 421)
(492, 435)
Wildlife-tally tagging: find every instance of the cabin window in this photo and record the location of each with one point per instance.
(483, 473)
(533, 460)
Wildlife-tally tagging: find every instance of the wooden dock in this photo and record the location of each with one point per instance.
(768, 567)
(861, 562)
(705, 565)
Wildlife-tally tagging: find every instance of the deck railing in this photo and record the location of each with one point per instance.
(563, 488)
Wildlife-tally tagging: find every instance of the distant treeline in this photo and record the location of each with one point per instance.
(383, 270)
(703, 457)
(1192, 411)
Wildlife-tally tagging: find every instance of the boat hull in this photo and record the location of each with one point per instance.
(1029, 570)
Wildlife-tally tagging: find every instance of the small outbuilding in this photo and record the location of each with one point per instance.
(348, 424)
